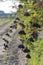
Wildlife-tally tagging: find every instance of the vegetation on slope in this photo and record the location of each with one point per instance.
(31, 20)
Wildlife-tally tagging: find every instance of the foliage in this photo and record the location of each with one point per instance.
(33, 23)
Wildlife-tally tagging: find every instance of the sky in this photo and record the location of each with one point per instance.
(6, 6)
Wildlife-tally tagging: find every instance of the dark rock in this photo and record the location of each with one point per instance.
(8, 34)
(5, 46)
(28, 56)
(21, 46)
(31, 39)
(35, 25)
(11, 26)
(17, 18)
(15, 21)
(6, 40)
(21, 32)
(26, 14)
(20, 6)
(26, 50)
(35, 35)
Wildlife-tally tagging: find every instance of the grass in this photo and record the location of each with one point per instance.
(2, 23)
(4, 20)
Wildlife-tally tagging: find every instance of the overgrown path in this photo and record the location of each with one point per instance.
(3, 29)
(12, 55)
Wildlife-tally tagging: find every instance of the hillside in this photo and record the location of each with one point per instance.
(22, 40)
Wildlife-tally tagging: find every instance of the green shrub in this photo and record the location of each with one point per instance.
(33, 23)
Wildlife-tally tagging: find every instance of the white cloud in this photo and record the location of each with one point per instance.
(6, 6)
